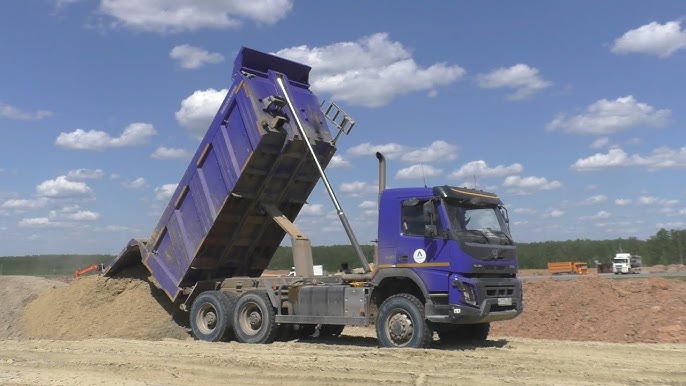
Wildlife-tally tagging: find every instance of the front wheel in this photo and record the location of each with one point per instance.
(254, 319)
(401, 323)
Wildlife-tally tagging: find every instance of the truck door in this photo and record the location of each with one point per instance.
(421, 239)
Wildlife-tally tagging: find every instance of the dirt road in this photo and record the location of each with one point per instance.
(117, 331)
(353, 359)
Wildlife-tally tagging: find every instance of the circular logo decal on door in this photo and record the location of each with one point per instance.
(419, 256)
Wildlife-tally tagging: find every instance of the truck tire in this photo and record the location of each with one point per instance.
(401, 322)
(253, 319)
(211, 316)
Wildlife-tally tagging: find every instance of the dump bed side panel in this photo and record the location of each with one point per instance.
(214, 225)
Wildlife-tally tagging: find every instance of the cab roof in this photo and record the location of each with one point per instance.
(477, 197)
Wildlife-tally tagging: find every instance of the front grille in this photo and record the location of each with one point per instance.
(500, 292)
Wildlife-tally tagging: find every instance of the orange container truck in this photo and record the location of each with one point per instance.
(568, 267)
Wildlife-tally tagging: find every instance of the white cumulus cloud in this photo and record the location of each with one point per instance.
(198, 110)
(600, 143)
(370, 71)
(137, 183)
(607, 117)
(35, 222)
(164, 192)
(358, 188)
(652, 200)
(528, 185)
(525, 80)
(11, 112)
(654, 38)
(658, 159)
(189, 15)
(83, 215)
(436, 152)
(480, 169)
(169, 153)
(595, 200)
(338, 161)
(85, 174)
(133, 135)
(368, 205)
(554, 213)
(418, 171)
(191, 57)
(389, 150)
(24, 204)
(312, 210)
(61, 187)
(603, 214)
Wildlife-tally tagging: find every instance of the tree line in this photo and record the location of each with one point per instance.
(665, 247)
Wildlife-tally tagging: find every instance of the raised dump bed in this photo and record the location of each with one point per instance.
(215, 225)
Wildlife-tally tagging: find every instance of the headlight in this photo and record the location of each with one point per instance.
(468, 293)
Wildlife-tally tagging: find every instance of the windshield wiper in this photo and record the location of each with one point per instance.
(482, 234)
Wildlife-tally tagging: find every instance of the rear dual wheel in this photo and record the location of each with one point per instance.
(211, 316)
(254, 319)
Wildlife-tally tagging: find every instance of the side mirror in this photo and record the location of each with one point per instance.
(503, 211)
(429, 212)
(430, 231)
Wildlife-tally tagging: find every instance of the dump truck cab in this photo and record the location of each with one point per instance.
(457, 242)
(624, 263)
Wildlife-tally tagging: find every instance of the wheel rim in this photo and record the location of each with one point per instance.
(206, 319)
(399, 327)
(251, 319)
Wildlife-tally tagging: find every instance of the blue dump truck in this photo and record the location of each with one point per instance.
(444, 262)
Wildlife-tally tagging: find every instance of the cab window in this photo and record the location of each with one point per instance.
(412, 220)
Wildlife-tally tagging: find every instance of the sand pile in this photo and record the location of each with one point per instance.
(594, 308)
(16, 292)
(589, 308)
(128, 306)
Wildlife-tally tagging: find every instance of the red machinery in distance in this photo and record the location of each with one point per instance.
(85, 270)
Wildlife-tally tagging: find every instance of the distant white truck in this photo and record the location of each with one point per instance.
(318, 270)
(626, 263)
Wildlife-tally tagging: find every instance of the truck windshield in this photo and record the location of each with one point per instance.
(477, 224)
(620, 261)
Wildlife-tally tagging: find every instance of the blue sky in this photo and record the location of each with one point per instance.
(573, 112)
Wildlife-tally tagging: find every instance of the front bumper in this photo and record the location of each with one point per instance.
(489, 311)
(498, 299)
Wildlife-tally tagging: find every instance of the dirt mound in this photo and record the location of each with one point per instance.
(672, 268)
(600, 309)
(128, 306)
(591, 308)
(16, 292)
